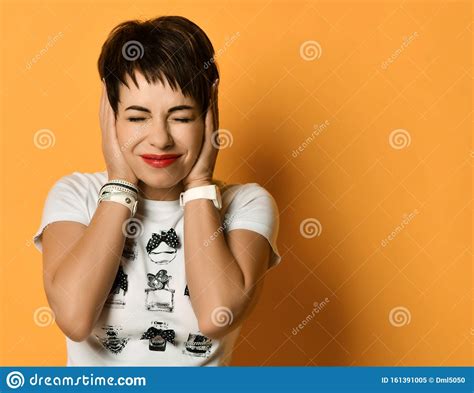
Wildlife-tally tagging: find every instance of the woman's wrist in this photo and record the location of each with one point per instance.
(129, 179)
(197, 183)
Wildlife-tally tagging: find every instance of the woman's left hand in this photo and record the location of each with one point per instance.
(203, 169)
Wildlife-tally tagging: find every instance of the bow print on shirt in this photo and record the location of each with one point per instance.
(115, 299)
(158, 338)
(162, 248)
(120, 281)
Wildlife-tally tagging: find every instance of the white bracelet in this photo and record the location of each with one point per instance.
(115, 188)
(123, 183)
(211, 192)
(123, 198)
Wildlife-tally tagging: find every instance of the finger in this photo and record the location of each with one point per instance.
(216, 139)
(107, 115)
(112, 129)
(209, 121)
(216, 108)
(104, 102)
(109, 111)
(101, 103)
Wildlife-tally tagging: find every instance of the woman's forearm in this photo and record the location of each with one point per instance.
(213, 275)
(86, 274)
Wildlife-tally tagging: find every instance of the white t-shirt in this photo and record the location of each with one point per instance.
(148, 319)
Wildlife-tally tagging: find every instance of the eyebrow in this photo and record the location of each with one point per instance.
(171, 110)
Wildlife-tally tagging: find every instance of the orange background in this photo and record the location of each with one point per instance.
(404, 302)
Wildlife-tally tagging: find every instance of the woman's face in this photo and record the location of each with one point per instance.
(154, 119)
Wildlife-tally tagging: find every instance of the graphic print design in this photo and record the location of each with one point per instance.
(197, 345)
(186, 290)
(158, 335)
(162, 248)
(159, 296)
(116, 298)
(129, 250)
(112, 342)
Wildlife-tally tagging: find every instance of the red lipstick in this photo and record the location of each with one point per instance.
(160, 160)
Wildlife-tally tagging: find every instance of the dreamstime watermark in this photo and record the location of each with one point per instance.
(228, 218)
(222, 138)
(132, 139)
(43, 316)
(16, 379)
(44, 139)
(222, 316)
(132, 228)
(406, 219)
(317, 130)
(51, 42)
(399, 316)
(317, 308)
(132, 50)
(399, 139)
(310, 227)
(227, 43)
(310, 50)
(406, 42)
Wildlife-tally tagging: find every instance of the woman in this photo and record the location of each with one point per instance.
(153, 262)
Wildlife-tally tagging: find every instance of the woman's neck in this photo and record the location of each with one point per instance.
(160, 194)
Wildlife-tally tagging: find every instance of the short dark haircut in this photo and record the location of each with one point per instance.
(172, 47)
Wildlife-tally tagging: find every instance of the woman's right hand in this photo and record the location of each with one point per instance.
(117, 166)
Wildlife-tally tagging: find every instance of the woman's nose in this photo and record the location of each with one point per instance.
(159, 136)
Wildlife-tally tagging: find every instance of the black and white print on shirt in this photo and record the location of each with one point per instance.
(197, 345)
(159, 296)
(162, 248)
(130, 249)
(186, 291)
(158, 335)
(116, 298)
(112, 341)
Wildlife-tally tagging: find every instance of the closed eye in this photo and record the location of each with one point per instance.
(138, 119)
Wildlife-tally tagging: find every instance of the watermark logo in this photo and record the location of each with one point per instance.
(51, 42)
(310, 227)
(133, 50)
(317, 130)
(310, 50)
(406, 219)
(228, 218)
(15, 379)
(44, 139)
(399, 316)
(406, 41)
(219, 52)
(222, 316)
(317, 308)
(399, 139)
(132, 228)
(43, 316)
(222, 139)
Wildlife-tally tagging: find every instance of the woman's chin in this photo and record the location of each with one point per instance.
(164, 180)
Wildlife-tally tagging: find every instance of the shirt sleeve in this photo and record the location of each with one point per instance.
(66, 201)
(255, 209)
